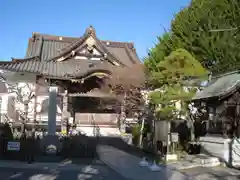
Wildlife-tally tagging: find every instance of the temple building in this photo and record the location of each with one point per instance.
(76, 66)
(219, 103)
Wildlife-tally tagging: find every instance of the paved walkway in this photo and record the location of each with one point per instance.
(23, 171)
(24, 165)
(127, 165)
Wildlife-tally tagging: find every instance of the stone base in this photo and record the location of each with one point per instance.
(193, 161)
(206, 161)
(214, 146)
(51, 145)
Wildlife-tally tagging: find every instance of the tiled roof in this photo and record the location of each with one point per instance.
(66, 69)
(31, 65)
(49, 46)
(220, 87)
(44, 50)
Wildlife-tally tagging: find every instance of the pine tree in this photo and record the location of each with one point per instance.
(174, 79)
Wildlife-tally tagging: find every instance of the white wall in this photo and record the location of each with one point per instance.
(24, 84)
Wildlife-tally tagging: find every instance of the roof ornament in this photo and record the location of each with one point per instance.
(33, 36)
(90, 31)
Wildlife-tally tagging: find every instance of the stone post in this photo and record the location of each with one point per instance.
(50, 143)
(65, 114)
(52, 111)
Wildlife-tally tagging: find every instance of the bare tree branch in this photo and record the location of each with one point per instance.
(126, 84)
(24, 94)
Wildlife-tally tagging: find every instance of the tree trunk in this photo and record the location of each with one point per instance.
(141, 132)
(24, 118)
(123, 114)
(34, 115)
(167, 139)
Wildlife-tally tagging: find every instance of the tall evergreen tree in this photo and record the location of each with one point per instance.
(209, 30)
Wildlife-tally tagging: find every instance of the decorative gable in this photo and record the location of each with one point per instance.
(88, 48)
(93, 51)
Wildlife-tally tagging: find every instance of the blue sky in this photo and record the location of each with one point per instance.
(138, 21)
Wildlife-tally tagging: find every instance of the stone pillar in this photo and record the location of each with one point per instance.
(52, 111)
(65, 114)
(1, 115)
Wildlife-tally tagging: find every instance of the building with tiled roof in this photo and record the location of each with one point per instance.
(65, 57)
(74, 64)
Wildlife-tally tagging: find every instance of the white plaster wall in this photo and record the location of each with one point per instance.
(214, 145)
(104, 131)
(4, 106)
(13, 77)
(44, 118)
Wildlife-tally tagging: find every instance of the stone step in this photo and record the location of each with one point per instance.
(192, 161)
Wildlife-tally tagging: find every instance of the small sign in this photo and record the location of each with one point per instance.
(13, 146)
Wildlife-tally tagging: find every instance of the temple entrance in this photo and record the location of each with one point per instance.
(94, 112)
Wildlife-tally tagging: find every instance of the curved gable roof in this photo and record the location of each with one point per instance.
(44, 50)
(48, 47)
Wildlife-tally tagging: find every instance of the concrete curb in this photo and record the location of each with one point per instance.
(207, 162)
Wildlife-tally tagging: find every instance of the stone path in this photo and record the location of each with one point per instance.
(93, 172)
(24, 165)
(127, 165)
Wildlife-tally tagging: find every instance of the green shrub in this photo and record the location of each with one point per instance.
(136, 130)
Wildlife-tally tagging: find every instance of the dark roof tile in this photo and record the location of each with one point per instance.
(44, 49)
(53, 46)
(66, 69)
(220, 87)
